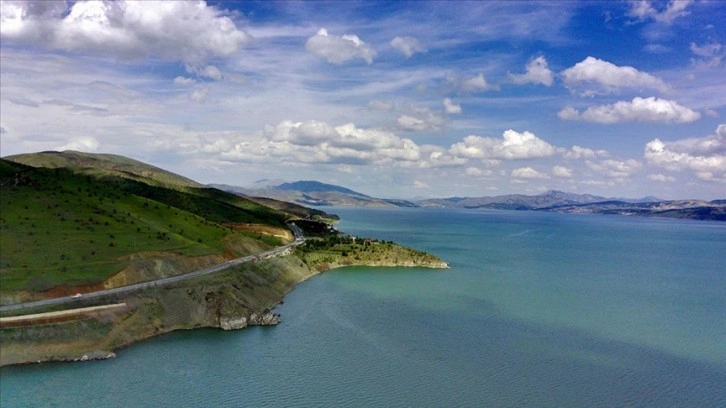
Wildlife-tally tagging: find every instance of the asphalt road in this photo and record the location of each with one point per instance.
(126, 290)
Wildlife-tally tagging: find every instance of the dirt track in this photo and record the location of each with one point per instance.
(40, 318)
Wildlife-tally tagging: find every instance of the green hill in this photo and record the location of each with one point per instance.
(104, 164)
(78, 219)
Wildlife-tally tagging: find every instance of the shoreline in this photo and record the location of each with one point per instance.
(209, 304)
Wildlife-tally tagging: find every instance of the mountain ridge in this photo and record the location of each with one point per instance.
(319, 194)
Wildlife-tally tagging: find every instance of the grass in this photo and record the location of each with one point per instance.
(337, 250)
(59, 226)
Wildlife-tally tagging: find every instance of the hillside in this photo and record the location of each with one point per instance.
(80, 223)
(79, 226)
(104, 164)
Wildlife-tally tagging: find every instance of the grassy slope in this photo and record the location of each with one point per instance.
(71, 226)
(104, 164)
(326, 249)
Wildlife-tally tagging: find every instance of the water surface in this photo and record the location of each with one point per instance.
(537, 310)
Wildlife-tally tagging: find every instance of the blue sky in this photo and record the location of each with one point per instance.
(392, 99)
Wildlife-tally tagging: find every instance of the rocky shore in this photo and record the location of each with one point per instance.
(230, 300)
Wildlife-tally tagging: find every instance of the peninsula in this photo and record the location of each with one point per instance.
(80, 227)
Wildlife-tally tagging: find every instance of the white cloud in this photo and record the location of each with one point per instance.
(704, 156)
(451, 108)
(337, 50)
(410, 123)
(710, 113)
(424, 120)
(593, 76)
(661, 178)
(83, 144)
(473, 171)
(710, 55)
(577, 152)
(561, 171)
(192, 32)
(378, 105)
(615, 168)
(420, 185)
(528, 173)
(200, 95)
(536, 72)
(643, 10)
(568, 113)
(182, 81)
(408, 46)
(512, 146)
(210, 71)
(436, 157)
(319, 142)
(476, 84)
(650, 109)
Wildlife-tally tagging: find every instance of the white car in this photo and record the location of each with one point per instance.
(76, 296)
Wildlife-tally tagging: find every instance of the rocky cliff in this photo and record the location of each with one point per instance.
(230, 300)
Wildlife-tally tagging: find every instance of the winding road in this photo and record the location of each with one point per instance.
(125, 290)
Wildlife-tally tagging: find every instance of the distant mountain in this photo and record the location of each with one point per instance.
(558, 201)
(514, 201)
(314, 193)
(689, 209)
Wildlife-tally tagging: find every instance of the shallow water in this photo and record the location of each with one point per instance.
(537, 310)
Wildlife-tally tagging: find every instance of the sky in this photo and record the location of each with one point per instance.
(391, 99)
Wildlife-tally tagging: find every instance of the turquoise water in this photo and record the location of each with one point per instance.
(537, 310)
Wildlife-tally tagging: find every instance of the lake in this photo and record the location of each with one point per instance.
(537, 309)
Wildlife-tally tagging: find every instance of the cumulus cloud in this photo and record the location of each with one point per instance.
(650, 109)
(594, 76)
(705, 156)
(614, 168)
(320, 142)
(528, 173)
(451, 108)
(421, 119)
(568, 113)
(212, 72)
(192, 32)
(408, 46)
(474, 84)
(536, 72)
(83, 144)
(339, 49)
(436, 157)
(561, 171)
(644, 10)
(512, 146)
(473, 171)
